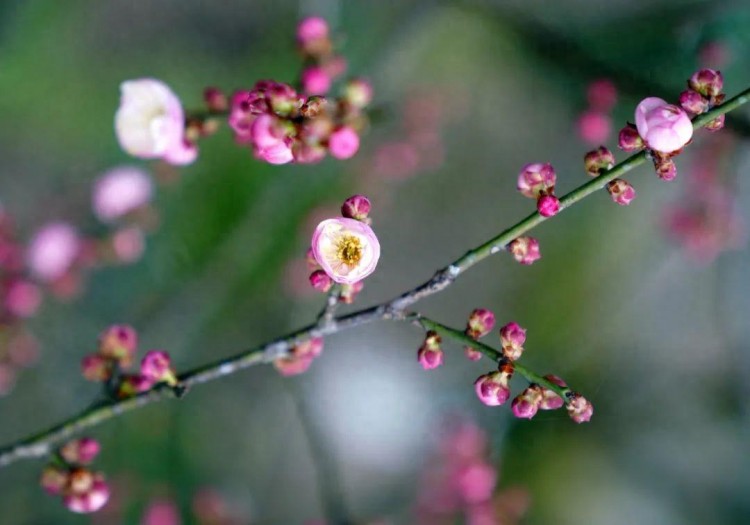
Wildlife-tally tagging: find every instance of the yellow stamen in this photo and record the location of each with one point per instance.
(349, 250)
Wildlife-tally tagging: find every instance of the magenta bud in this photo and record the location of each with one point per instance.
(550, 400)
(707, 82)
(96, 367)
(119, 342)
(133, 384)
(629, 140)
(579, 408)
(80, 451)
(430, 355)
(356, 207)
(598, 161)
(716, 124)
(666, 169)
(321, 281)
(312, 36)
(358, 93)
(525, 250)
(621, 192)
(481, 322)
(548, 205)
(512, 338)
(493, 388)
(693, 102)
(215, 99)
(536, 179)
(53, 480)
(526, 404)
(472, 354)
(343, 143)
(156, 367)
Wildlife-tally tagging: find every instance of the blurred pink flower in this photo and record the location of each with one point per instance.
(594, 127)
(120, 191)
(161, 512)
(53, 250)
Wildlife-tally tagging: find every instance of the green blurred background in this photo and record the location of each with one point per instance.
(658, 342)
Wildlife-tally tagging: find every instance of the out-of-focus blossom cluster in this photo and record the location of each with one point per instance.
(460, 483)
(68, 476)
(116, 354)
(208, 508)
(595, 123)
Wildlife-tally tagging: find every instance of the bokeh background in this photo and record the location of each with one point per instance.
(654, 333)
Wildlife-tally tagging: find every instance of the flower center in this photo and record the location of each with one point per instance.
(349, 250)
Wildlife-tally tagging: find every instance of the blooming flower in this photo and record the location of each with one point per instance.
(120, 191)
(150, 122)
(664, 127)
(346, 249)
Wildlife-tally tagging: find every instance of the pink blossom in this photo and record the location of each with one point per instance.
(343, 143)
(119, 342)
(22, 298)
(693, 102)
(356, 207)
(156, 367)
(311, 29)
(53, 250)
(550, 400)
(493, 388)
(358, 93)
(621, 192)
(481, 322)
(300, 357)
(594, 127)
(161, 512)
(53, 480)
(316, 81)
(548, 205)
(320, 281)
(707, 82)
(525, 250)
(269, 141)
(346, 249)
(89, 501)
(128, 244)
(512, 338)
(536, 179)
(150, 122)
(579, 408)
(430, 355)
(598, 161)
(476, 482)
(80, 451)
(629, 140)
(526, 404)
(664, 127)
(120, 191)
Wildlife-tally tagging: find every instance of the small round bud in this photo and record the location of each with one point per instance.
(80, 451)
(598, 161)
(716, 124)
(579, 408)
(320, 281)
(96, 367)
(512, 338)
(430, 355)
(707, 82)
(548, 205)
(316, 81)
(53, 480)
(493, 388)
(215, 99)
(526, 404)
(358, 93)
(312, 36)
(156, 367)
(356, 207)
(119, 342)
(693, 102)
(536, 179)
(550, 400)
(666, 169)
(525, 250)
(343, 143)
(629, 140)
(621, 192)
(481, 322)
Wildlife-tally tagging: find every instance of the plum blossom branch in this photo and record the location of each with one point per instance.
(42, 443)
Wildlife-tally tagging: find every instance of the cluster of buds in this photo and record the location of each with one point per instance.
(537, 181)
(525, 250)
(600, 160)
(116, 354)
(595, 123)
(430, 354)
(82, 490)
(493, 388)
(344, 250)
(703, 93)
(300, 357)
(480, 323)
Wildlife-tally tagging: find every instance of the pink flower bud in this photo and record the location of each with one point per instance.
(629, 140)
(316, 81)
(320, 281)
(493, 389)
(525, 250)
(707, 82)
(481, 322)
(621, 192)
(346, 249)
(161, 512)
(472, 354)
(96, 367)
(664, 127)
(358, 93)
(550, 400)
(666, 169)
(356, 207)
(602, 94)
(693, 102)
(594, 127)
(343, 143)
(80, 451)
(128, 244)
(579, 408)
(215, 99)
(89, 501)
(53, 250)
(300, 357)
(133, 384)
(716, 124)
(512, 338)
(119, 342)
(349, 292)
(526, 404)
(120, 191)
(53, 480)
(310, 30)
(22, 298)
(156, 367)
(476, 482)
(598, 161)
(536, 179)
(430, 355)
(548, 205)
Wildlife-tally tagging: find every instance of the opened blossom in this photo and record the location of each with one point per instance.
(664, 127)
(346, 249)
(150, 122)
